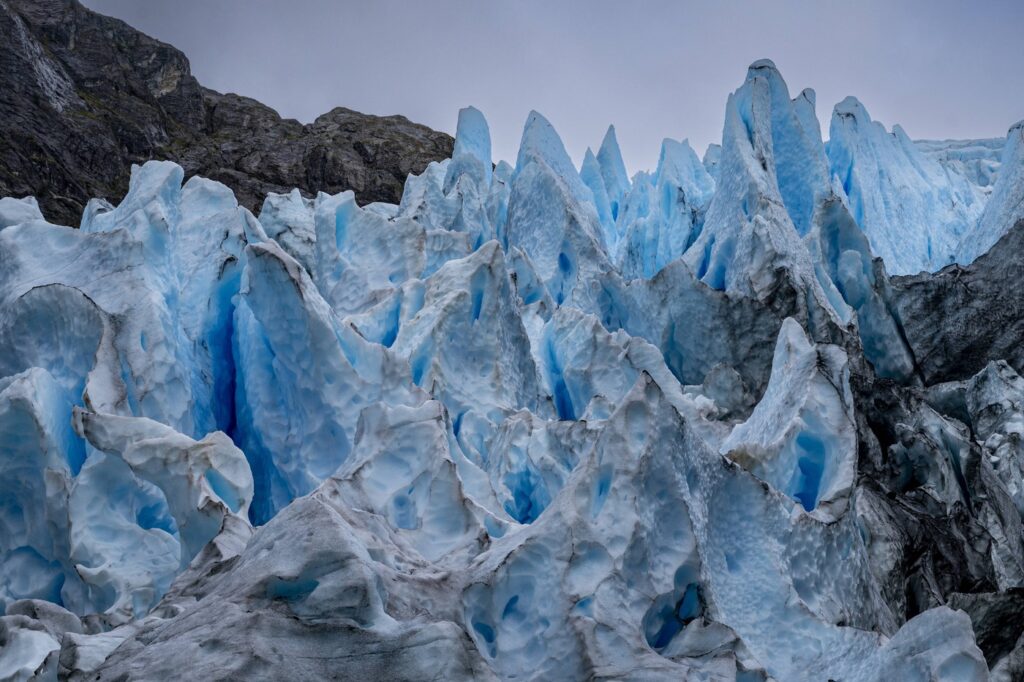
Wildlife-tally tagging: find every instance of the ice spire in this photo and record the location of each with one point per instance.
(551, 214)
(16, 211)
(613, 170)
(541, 141)
(800, 166)
(727, 254)
(658, 233)
(472, 153)
(590, 173)
(712, 155)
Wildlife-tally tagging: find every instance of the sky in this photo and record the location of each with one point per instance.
(654, 68)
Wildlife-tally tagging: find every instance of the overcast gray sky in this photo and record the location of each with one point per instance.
(653, 68)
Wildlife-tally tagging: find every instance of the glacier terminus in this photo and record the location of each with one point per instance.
(754, 415)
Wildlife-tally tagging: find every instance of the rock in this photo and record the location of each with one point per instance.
(995, 617)
(959, 319)
(84, 96)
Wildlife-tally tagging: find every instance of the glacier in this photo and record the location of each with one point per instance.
(719, 421)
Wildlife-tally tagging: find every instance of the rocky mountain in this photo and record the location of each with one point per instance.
(84, 96)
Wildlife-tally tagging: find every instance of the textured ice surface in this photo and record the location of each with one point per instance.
(801, 437)
(977, 160)
(534, 422)
(1006, 204)
(664, 213)
(913, 209)
(16, 211)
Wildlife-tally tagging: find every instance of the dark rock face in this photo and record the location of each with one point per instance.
(959, 319)
(83, 96)
(937, 454)
(930, 501)
(996, 619)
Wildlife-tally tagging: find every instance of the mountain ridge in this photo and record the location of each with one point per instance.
(84, 96)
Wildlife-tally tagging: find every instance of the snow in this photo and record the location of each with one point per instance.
(532, 422)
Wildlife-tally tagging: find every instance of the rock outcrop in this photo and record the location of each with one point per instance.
(84, 96)
(959, 319)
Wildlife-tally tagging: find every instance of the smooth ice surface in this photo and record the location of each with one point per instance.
(533, 422)
(613, 170)
(472, 153)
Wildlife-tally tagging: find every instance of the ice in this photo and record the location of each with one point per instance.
(751, 243)
(462, 195)
(590, 173)
(39, 457)
(147, 501)
(361, 256)
(288, 220)
(669, 213)
(800, 165)
(28, 653)
(855, 282)
(995, 401)
(541, 144)
(472, 154)
(613, 171)
(1005, 205)
(976, 160)
(746, 222)
(913, 210)
(935, 645)
(153, 265)
(552, 218)
(17, 211)
(801, 437)
(302, 378)
(533, 422)
(31, 633)
(401, 473)
(712, 155)
(464, 340)
(203, 482)
(123, 540)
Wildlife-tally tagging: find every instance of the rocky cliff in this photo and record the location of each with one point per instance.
(84, 96)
